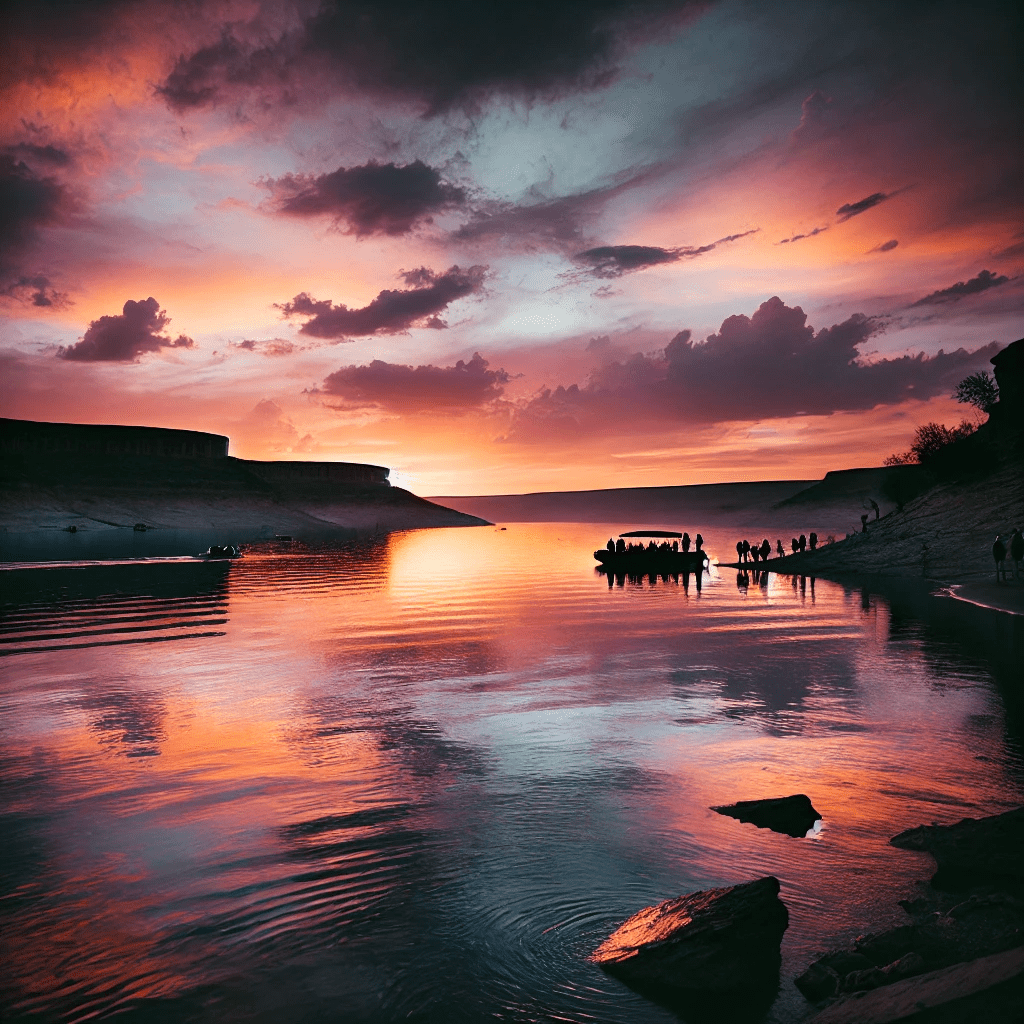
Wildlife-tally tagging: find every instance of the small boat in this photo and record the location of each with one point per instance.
(220, 551)
(646, 560)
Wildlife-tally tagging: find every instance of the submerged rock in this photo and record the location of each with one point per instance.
(790, 815)
(973, 851)
(713, 942)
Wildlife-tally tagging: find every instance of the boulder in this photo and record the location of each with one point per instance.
(973, 851)
(978, 927)
(989, 989)
(716, 941)
(790, 815)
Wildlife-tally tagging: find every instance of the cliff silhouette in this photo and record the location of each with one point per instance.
(55, 476)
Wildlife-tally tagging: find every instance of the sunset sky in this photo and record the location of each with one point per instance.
(516, 246)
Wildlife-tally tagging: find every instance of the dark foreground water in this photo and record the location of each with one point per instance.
(423, 778)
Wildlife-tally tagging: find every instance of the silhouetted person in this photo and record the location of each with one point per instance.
(1017, 550)
(781, 551)
(755, 553)
(620, 546)
(803, 542)
(686, 542)
(766, 549)
(698, 543)
(795, 545)
(814, 541)
(746, 550)
(675, 545)
(611, 544)
(739, 551)
(864, 523)
(999, 554)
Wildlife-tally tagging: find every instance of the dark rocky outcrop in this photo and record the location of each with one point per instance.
(989, 989)
(791, 815)
(973, 851)
(712, 942)
(973, 909)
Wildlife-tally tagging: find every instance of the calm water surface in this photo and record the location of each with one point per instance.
(423, 778)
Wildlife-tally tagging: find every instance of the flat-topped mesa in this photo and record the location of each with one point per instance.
(40, 439)
(318, 474)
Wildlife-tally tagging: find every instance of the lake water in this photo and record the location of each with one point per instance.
(425, 776)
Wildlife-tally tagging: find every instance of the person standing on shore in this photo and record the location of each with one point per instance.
(779, 548)
(999, 554)
(1017, 551)
(814, 541)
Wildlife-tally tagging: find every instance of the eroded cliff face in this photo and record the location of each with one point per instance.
(116, 487)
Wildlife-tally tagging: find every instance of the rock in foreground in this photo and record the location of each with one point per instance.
(790, 815)
(990, 989)
(973, 851)
(713, 941)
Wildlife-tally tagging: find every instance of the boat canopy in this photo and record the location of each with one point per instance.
(650, 533)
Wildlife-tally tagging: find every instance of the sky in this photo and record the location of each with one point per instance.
(503, 248)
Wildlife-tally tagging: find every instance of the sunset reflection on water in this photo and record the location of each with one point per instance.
(429, 774)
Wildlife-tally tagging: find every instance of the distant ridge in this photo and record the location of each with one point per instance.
(645, 505)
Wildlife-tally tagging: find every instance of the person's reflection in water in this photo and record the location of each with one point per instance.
(865, 599)
(764, 579)
(699, 575)
(686, 582)
(803, 587)
(812, 590)
(742, 581)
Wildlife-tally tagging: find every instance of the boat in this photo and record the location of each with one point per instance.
(220, 551)
(641, 559)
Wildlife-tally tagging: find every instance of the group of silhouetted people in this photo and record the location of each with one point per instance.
(1015, 551)
(621, 547)
(747, 552)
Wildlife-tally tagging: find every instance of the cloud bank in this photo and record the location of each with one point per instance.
(410, 389)
(123, 338)
(375, 199)
(769, 365)
(982, 282)
(438, 55)
(610, 261)
(394, 311)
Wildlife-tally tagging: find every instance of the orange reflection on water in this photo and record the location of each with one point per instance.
(459, 757)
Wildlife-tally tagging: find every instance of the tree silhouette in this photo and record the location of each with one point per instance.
(979, 390)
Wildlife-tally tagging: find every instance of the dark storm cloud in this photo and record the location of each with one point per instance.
(394, 311)
(985, 280)
(797, 238)
(769, 365)
(123, 338)
(848, 210)
(375, 199)
(40, 154)
(36, 36)
(428, 388)
(442, 54)
(28, 203)
(609, 261)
